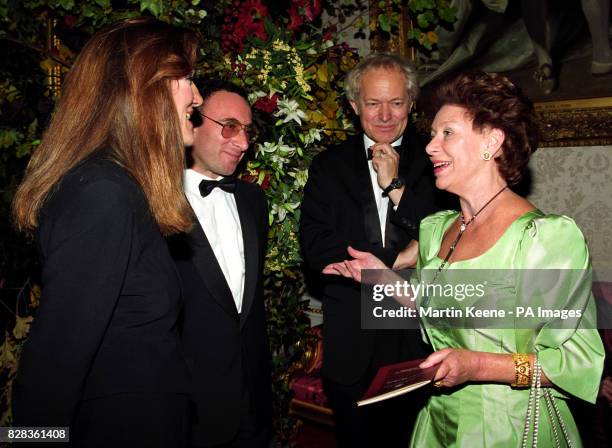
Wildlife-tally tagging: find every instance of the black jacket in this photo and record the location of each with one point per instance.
(226, 351)
(339, 210)
(110, 300)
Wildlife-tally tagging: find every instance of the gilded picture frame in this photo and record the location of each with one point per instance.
(564, 122)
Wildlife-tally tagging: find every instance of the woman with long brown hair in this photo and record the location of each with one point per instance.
(99, 194)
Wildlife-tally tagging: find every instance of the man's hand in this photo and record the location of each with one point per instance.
(385, 161)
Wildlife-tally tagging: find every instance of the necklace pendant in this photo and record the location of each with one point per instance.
(463, 227)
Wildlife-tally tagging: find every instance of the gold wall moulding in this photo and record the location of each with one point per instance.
(54, 70)
(397, 43)
(580, 122)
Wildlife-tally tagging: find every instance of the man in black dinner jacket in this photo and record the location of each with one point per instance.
(373, 205)
(220, 263)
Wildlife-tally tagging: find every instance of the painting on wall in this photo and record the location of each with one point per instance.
(559, 53)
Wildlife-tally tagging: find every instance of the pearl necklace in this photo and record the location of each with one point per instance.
(464, 225)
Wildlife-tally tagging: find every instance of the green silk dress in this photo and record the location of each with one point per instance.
(493, 415)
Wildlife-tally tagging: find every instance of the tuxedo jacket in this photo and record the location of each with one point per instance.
(107, 321)
(227, 352)
(339, 210)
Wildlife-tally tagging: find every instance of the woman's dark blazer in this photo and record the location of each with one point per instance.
(110, 300)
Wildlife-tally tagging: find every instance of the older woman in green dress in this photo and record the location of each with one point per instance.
(481, 140)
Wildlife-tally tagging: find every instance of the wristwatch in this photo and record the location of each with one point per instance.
(396, 183)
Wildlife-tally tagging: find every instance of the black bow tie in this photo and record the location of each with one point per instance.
(371, 151)
(226, 184)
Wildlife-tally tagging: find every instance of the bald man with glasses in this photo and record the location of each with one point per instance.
(221, 265)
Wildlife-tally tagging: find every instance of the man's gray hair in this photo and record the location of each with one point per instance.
(381, 60)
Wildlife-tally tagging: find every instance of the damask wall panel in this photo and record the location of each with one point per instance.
(577, 181)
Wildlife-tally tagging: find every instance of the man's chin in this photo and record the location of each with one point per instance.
(228, 171)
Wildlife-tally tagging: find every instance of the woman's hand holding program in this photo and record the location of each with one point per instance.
(457, 366)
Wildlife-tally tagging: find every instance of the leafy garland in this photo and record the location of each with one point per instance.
(293, 69)
(426, 15)
(294, 80)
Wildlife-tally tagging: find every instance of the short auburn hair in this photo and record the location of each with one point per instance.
(493, 101)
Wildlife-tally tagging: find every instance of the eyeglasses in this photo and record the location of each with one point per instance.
(233, 127)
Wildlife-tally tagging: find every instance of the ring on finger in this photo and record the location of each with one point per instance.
(437, 383)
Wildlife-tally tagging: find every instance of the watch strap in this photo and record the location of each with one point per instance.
(396, 183)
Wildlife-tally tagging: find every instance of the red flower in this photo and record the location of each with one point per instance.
(329, 32)
(266, 104)
(70, 21)
(317, 6)
(265, 184)
(295, 19)
(244, 20)
(313, 10)
(249, 178)
(301, 11)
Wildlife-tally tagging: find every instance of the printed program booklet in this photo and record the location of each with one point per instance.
(397, 379)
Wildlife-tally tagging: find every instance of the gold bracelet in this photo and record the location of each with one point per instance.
(522, 370)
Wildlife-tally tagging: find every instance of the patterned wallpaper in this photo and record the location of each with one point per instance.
(577, 181)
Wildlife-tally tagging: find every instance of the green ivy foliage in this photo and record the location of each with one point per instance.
(292, 66)
(26, 103)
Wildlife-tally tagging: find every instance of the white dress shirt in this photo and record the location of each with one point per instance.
(382, 203)
(218, 216)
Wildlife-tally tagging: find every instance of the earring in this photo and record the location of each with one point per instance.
(486, 156)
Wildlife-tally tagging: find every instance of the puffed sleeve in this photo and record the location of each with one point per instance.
(431, 232)
(556, 275)
(85, 241)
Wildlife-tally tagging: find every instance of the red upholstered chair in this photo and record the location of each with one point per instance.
(309, 400)
(600, 424)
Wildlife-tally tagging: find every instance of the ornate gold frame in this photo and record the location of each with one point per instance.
(54, 71)
(576, 122)
(398, 43)
(581, 122)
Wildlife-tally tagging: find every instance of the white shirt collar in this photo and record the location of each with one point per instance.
(192, 179)
(218, 215)
(367, 141)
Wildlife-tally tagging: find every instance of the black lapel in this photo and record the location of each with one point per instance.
(251, 249)
(412, 167)
(392, 235)
(208, 267)
(412, 163)
(392, 232)
(371, 222)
